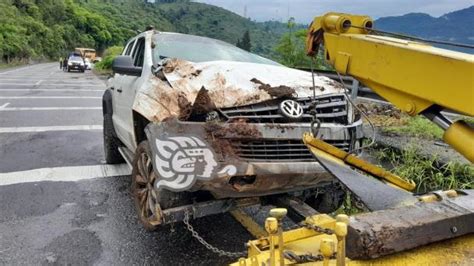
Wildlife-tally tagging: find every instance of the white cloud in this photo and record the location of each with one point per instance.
(305, 10)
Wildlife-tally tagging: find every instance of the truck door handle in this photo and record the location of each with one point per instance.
(119, 90)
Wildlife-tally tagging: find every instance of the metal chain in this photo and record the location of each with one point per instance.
(316, 228)
(290, 255)
(210, 247)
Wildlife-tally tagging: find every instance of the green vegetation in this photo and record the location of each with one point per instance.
(426, 172)
(245, 42)
(291, 49)
(108, 58)
(417, 126)
(31, 29)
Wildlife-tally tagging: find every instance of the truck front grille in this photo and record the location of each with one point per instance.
(278, 150)
(331, 108)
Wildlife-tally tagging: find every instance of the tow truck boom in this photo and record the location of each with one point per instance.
(416, 77)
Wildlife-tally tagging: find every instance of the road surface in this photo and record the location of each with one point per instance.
(59, 203)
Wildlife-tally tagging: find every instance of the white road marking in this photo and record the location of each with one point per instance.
(39, 82)
(64, 174)
(49, 128)
(57, 84)
(18, 69)
(5, 105)
(50, 97)
(47, 108)
(29, 90)
(47, 80)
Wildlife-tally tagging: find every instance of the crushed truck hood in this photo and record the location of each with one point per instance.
(221, 84)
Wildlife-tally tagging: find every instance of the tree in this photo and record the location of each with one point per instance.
(291, 49)
(245, 42)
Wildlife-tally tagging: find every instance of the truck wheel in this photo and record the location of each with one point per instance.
(111, 143)
(149, 201)
(329, 199)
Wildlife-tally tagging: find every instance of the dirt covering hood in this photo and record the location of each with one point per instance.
(221, 84)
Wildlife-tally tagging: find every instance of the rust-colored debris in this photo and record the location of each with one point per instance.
(239, 128)
(181, 67)
(275, 92)
(203, 103)
(185, 107)
(221, 135)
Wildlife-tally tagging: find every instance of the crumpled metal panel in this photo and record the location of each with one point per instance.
(227, 84)
(198, 156)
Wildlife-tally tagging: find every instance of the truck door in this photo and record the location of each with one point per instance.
(124, 96)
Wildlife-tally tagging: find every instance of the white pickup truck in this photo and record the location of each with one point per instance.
(205, 124)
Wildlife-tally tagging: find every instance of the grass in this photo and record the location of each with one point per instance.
(426, 172)
(417, 126)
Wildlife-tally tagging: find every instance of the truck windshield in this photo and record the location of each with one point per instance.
(200, 49)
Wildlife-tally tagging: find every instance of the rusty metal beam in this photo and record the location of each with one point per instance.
(385, 232)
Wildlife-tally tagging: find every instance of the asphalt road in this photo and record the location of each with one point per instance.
(59, 203)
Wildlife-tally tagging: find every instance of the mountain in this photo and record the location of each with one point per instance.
(32, 29)
(47, 29)
(454, 27)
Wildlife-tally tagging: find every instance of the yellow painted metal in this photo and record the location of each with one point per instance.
(341, 233)
(458, 251)
(433, 197)
(246, 221)
(301, 240)
(360, 164)
(411, 75)
(461, 137)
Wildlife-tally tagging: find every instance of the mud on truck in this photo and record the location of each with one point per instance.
(207, 127)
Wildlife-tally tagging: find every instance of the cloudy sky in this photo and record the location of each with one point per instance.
(305, 10)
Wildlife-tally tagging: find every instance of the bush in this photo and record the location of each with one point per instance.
(109, 55)
(427, 173)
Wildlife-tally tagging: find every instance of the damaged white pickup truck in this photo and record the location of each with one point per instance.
(208, 127)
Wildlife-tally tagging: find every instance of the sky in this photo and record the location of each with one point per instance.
(305, 10)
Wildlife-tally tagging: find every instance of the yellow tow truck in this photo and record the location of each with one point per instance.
(401, 227)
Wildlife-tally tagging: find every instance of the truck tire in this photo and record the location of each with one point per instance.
(111, 143)
(149, 201)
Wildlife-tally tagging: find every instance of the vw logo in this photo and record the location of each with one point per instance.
(291, 109)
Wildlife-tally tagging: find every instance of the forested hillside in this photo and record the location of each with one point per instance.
(49, 28)
(34, 29)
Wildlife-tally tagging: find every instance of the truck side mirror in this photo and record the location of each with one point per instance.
(123, 64)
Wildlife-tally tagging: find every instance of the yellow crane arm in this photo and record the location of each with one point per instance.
(416, 77)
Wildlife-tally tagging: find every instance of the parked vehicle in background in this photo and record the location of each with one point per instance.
(88, 63)
(76, 63)
(196, 117)
(87, 53)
